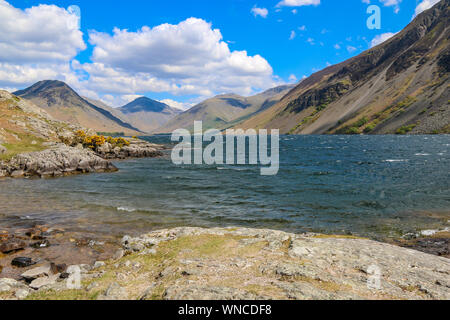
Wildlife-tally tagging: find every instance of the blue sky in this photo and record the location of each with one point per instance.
(283, 42)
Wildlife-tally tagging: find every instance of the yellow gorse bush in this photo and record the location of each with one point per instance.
(95, 141)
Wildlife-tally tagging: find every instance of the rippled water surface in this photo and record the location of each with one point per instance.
(374, 186)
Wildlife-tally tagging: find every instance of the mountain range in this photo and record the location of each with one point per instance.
(226, 110)
(400, 86)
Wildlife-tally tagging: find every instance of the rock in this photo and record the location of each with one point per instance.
(38, 272)
(12, 246)
(3, 149)
(4, 287)
(22, 294)
(118, 254)
(197, 292)
(22, 262)
(99, 264)
(40, 244)
(56, 161)
(44, 281)
(10, 282)
(114, 292)
(58, 268)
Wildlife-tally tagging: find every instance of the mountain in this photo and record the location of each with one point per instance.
(224, 111)
(147, 114)
(399, 86)
(64, 104)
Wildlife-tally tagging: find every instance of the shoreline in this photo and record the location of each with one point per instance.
(102, 260)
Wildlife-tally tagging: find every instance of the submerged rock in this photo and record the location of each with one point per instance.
(22, 262)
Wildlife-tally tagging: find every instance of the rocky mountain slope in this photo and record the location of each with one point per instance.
(400, 86)
(64, 104)
(224, 111)
(147, 114)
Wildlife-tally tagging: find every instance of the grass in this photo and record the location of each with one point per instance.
(25, 145)
(406, 129)
(367, 125)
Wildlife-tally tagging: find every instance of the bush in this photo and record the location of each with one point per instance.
(353, 130)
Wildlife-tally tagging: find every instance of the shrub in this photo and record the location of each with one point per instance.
(353, 130)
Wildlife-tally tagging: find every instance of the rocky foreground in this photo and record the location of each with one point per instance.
(238, 263)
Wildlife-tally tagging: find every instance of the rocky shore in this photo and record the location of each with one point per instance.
(61, 160)
(239, 263)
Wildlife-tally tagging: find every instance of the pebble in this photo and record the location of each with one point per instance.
(99, 264)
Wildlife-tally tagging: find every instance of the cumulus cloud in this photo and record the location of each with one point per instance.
(381, 38)
(187, 58)
(26, 36)
(298, 3)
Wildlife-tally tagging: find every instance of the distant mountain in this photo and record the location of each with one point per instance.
(147, 114)
(64, 104)
(400, 86)
(224, 111)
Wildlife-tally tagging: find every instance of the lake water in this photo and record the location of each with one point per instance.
(374, 186)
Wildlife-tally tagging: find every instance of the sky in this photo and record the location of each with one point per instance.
(182, 52)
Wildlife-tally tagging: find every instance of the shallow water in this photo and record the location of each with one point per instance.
(375, 186)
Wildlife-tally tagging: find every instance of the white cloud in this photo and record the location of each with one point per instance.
(292, 78)
(178, 105)
(292, 35)
(351, 49)
(392, 3)
(381, 38)
(32, 49)
(45, 33)
(263, 12)
(425, 5)
(187, 58)
(298, 3)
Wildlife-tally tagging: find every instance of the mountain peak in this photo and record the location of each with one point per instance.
(145, 104)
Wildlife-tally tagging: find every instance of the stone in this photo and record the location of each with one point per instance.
(114, 292)
(22, 262)
(99, 264)
(44, 281)
(118, 254)
(4, 287)
(37, 272)
(58, 268)
(12, 246)
(3, 150)
(22, 294)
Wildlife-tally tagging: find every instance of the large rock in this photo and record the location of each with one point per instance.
(57, 161)
(38, 272)
(44, 281)
(136, 149)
